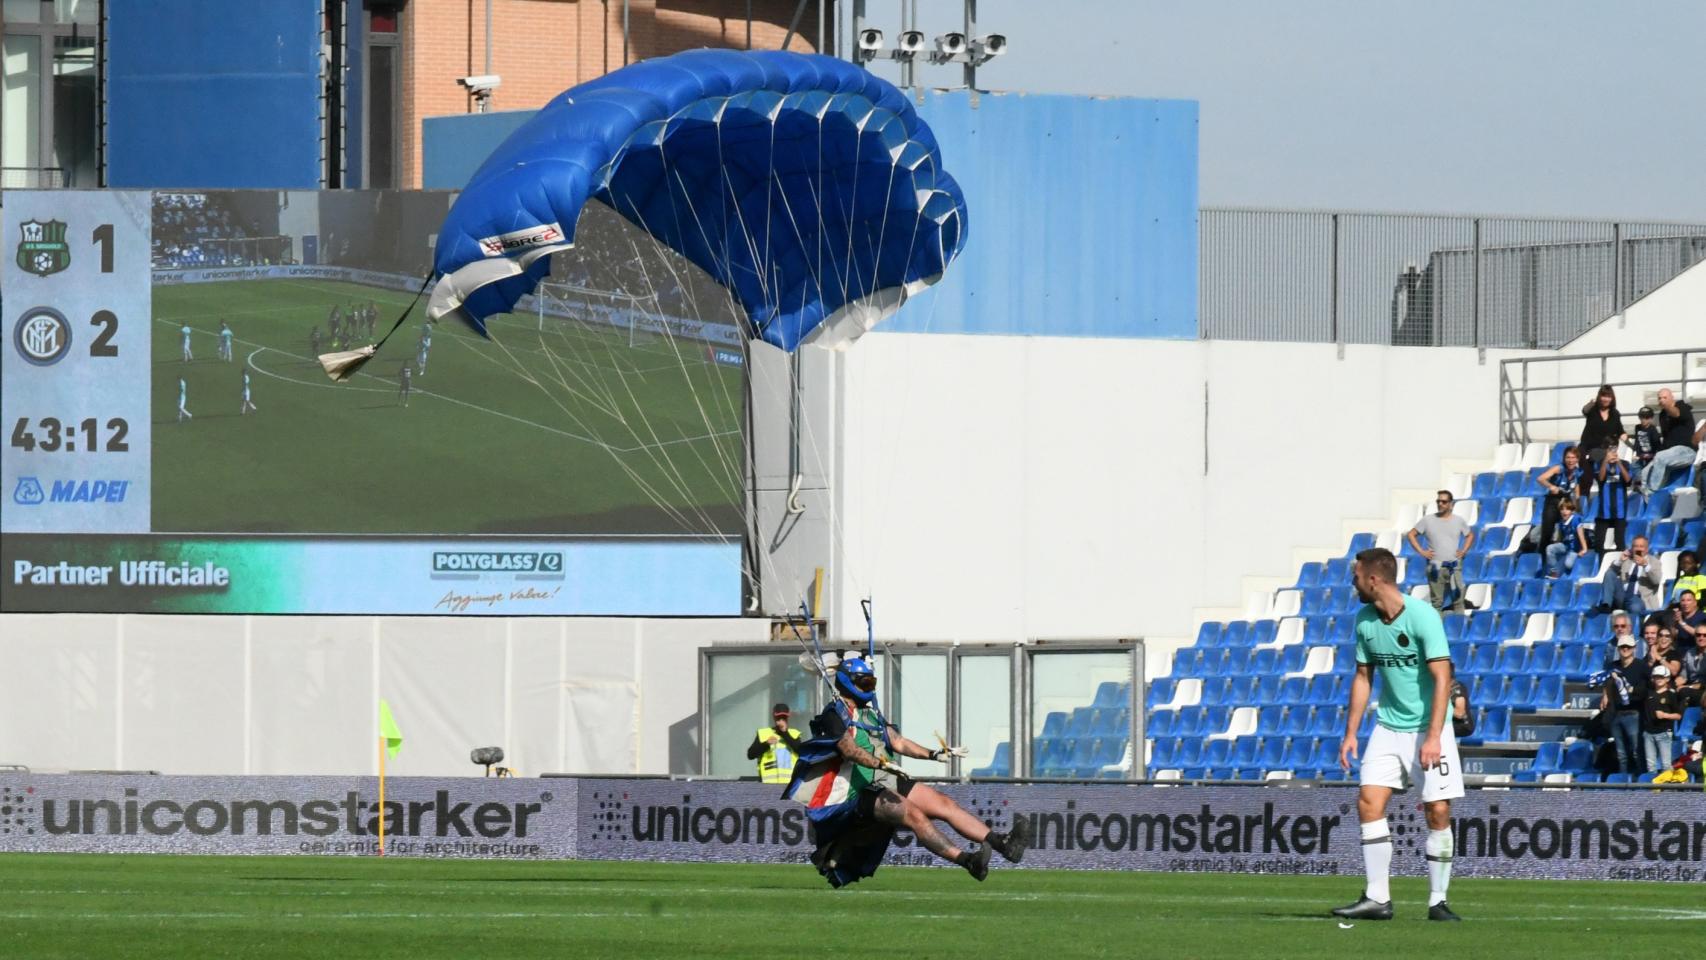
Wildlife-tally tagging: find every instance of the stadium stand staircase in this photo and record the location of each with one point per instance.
(1263, 696)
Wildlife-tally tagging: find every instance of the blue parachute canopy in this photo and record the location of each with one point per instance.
(805, 185)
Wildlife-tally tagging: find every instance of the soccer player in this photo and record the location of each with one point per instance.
(403, 385)
(224, 341)
(1404, 639)
(314, 342)
(185, 332)
(183, 401)
(426, 344)
(248, 403)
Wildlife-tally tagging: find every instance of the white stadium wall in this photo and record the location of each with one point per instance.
(1014, 487)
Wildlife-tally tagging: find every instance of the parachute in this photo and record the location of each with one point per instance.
(806, 186)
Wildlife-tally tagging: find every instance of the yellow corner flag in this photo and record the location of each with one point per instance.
(388, 731)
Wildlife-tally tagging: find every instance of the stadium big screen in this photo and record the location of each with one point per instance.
(173, 445)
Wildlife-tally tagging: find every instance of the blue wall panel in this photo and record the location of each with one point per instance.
(1083, 212)
(205, 93)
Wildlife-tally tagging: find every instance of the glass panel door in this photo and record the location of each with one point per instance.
(1080, 712)
(986, 713)
(921, 706)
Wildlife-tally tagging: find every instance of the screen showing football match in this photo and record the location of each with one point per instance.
(173, 442)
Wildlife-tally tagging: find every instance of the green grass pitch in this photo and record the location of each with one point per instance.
(81, 906)
(569, 430)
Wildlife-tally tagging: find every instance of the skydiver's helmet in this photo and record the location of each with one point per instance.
(855, 678)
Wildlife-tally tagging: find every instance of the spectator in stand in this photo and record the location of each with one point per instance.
(1634, 583)
(1645, 440)
(1449, 538)
(1693, 678)
(1621, 626)
(1700, 461)
(1686, 621)
(1688, 576)
(1567, 478)
(1661, 648)
(1572, 541)
(1659, 715)
(1612, 500)
(1676, 441)
(1625, 694)
(1603, 422)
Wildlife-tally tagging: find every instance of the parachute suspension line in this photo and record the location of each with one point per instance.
(342, 365)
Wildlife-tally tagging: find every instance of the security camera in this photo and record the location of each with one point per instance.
(870, 41)
(910, 42)
(951, 44)
(989, 47)
(483, 84)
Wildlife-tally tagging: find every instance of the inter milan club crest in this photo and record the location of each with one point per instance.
(43, 249)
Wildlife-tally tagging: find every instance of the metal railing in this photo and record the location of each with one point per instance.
(1426, 279)
(1551, 390)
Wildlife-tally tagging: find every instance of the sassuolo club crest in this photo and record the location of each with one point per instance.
(43, 249)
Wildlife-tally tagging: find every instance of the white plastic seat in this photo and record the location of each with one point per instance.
(1169, 774)
(1286, 603)
(1290, 632)
(1243, 724)
(1518, 534)
(1685, 504)
(1461, 485)
(1479, 594)
(1186, 693)
(1669, 562)
(1420, 592)
(1535, 455)
(1277, 775)
(1506, 457)
(1124, 766)
(1319, 660)
(1259, 605)
(1538, 629)
(1390, 540)
(1405, 517)
(1469, 510)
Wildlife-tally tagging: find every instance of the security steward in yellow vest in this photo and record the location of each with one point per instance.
(775, 747)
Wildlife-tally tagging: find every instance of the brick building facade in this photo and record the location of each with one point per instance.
(542, 47)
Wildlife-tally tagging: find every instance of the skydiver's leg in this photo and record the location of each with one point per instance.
(894, 810)
(939, 806)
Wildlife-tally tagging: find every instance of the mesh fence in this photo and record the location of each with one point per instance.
(1427, 280)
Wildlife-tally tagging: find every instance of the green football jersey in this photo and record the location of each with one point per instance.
(1400, 652)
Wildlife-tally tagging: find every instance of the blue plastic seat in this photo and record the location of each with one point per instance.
(1292, 658)
(1323, 689)
(1216, 662)
(1495, 725)
(1208, 635)
(1194, 773)
(1297, 721)
(1484, 485)
(1216, 752)
(1548, 693)
(1342, 631)
(1586, 568)
(1474, 564)
(1270, 721)
(1543, 659)
(1315, 629)
(1240, 691)
(1638, 527)
(1575, 661)
(1327, 722)
(1663, 536)
(1525, 776)
(1112, 722)
(1244, 751)
(1481, 627)
(1344, 656)
(1187, 662)
(1299, 753)
(1336, 572)
(1617, 778)
(1498, 568)
(1189, 722)
(1315, 600)
(1359, 543)
(1260, 632)
(1566, 626)
(1483, 657)
(1527, 566)
(1511, 484)
(1512, 660)
(1054, 725)
(1577, 756)
(1233, 635)
(1161, 691)
(1491, 510)
(1108, 695)
(1272, 753)
(1294, 690)
(1267, 688)
(1083, 718)
(1000, 765)
(1518, 691)
(1495, 539)
(1263, 663)
(1505, 594)
(1160, 724)
(1216, 720)
(1456, 625)
(1166, 753)
(1308, 576)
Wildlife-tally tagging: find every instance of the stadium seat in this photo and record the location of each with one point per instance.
(1343, 630)
(1296, 721)
(1527, 567)
(1190, 723)
(1543, 659)
(1294, 690)
(1512, 660)
(1323, 689)
(1336, 572)
(1511, 484)
(1299, 753)
(1000, 765)
(1270, 721)
(1473, 566)
(1495, 540)
(1482, 657)
(1272, 752)
(1161, 723)
(1548, 693)
(1617, 778)
(1327, 722)
(1217, 662)
(1261, 632)
(1267, 688)
(1498, 568)
(1517, 692)
(1216, 720)
(1216, 752)
(1505, 595)
(1263, 663)
(1214, 690)
(1292, 659)
(1567, 626)
(1108, 695)
(1663, 536)
(1233, 635)
(1244, 750)
(1160, 692)
(1114, 722)
(1208, 635)
(1166, 752)
(1576, 757)
(1484, 485)
(1308, 576)
(1359, 543)
(1082, 719)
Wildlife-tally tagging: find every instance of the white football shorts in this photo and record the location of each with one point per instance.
(1389, 760)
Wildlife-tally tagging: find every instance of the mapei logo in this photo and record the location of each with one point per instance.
(507, 243)
(29, 492)
(43, 249)
(89, 491)
(42, 336)
(464, 561)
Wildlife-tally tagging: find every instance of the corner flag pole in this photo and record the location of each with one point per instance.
(382, 745)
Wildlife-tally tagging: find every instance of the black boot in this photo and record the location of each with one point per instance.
(1012, 844)
(976, 863)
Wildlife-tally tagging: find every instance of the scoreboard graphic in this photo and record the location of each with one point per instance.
(171, 445)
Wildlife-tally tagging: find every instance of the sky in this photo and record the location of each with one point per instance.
(1563, 108)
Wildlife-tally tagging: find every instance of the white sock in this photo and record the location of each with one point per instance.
(1377, 859)
(1439, 850)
